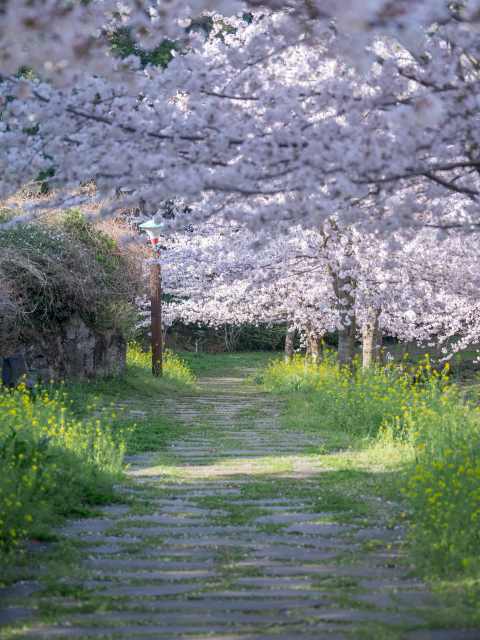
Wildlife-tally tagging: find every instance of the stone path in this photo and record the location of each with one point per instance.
(226, 536)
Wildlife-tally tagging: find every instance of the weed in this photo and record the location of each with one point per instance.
(404, 418)
(173, 368)
(50, 462)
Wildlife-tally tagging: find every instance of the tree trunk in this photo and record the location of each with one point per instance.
(346, 305)
(369, 334)
(344, 291)
(438, 347)
(317, 348)
(289, 342)
(309, 340)
(346, 341)
(405, 348)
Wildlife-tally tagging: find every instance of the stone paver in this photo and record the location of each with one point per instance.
(19, 590)
(15, 614)
(233, 605)
(284, 518)
(224, 536)
(402, 599)
(444, 634)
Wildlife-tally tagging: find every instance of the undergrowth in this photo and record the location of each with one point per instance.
(52, 464)
(174, 369)
(431, 428)
(53, 268)
(61, 450)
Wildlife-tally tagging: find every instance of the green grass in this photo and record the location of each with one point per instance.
(51, 463)
(215, 365)
(140, 387)
(422, 441)
(348, 486)
(173, 369)
(61, 449)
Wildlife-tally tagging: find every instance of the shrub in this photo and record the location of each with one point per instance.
(173, 368)
(444, 482)
(50, 462)
(263, 337)
(436, 430)
(53, 268)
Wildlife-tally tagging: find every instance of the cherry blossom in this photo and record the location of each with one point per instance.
(268, 107)
(415, 287)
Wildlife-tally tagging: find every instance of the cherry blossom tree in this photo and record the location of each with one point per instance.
(219, 276)
(414, 289)
(262, 107)
(337, 128)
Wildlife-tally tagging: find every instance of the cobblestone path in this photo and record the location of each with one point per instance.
(230, 535)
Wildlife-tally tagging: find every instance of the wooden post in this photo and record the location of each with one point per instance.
(156, 318)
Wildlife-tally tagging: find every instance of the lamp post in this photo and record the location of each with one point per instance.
(153, 230)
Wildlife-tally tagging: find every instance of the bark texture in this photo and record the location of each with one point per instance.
(369, 334)
(289, 342)
(346, 305)
(317, 348)
(346, 342)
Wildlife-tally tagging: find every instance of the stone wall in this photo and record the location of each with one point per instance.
(76, 354)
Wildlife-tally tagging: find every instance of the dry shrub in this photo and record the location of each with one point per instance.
(60, 265)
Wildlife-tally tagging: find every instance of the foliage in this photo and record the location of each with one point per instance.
(122, 44)
(217, 364)
(431, 426)
(51, 463)
(353, 157)
(263, 337)
(54, 268)
(174, 369)
(331, 338)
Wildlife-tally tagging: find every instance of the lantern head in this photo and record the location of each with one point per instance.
(153, 229)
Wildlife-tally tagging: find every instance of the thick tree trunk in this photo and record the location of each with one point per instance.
(317, 348)
(346, 306)
(369, 334)
(405, 348)
(344, 288)
(346, 341)
(438, 348)
(289, 342)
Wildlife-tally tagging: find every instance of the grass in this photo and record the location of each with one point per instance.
(61, 450)
(174, 369)
(51, 462)
(421, 436)
(349, 485)
(215, 365)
